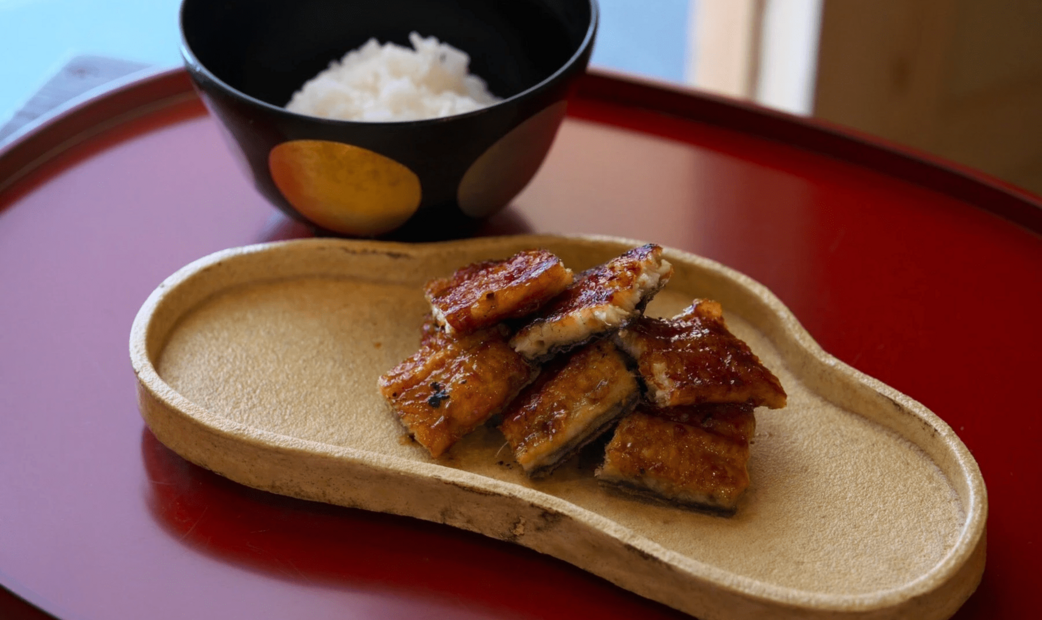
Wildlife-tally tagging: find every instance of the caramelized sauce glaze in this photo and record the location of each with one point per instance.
(485, 293)
(453, 385)
(599, 286)
(692, 456)
(693, 358)
(568, 402)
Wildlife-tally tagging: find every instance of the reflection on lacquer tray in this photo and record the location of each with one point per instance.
(409, 564)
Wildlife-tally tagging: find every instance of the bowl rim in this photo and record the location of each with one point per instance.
(194, 65)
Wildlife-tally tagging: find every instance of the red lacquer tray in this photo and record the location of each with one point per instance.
(926, 277)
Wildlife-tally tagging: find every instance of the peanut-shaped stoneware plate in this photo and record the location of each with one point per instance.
(261, 363)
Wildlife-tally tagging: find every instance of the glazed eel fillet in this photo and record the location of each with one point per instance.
(454, 384)
(693, 358)
(602, 299)
(686, 445)
(690, 457)
(482, 294)
(690, 446)
(574, 400)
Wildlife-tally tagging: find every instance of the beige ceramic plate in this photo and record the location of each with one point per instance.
(260, 363)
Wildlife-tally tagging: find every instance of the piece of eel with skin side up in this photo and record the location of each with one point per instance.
(452, 385)
(576, 398)
(691, 457)
(693, 358)
(482, 294)
(689, 446)
(601, 300)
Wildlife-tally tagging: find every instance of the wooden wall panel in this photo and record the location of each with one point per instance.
(958, 78)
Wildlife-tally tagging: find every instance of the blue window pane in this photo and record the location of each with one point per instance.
(647, 37)
(37, 37)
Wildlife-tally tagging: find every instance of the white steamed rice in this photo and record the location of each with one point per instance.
(393, 83)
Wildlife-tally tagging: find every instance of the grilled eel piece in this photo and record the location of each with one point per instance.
(693, 358)
(575, 399)
(602, 299)
(688, 457)
(452, 385)
(485, 293)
